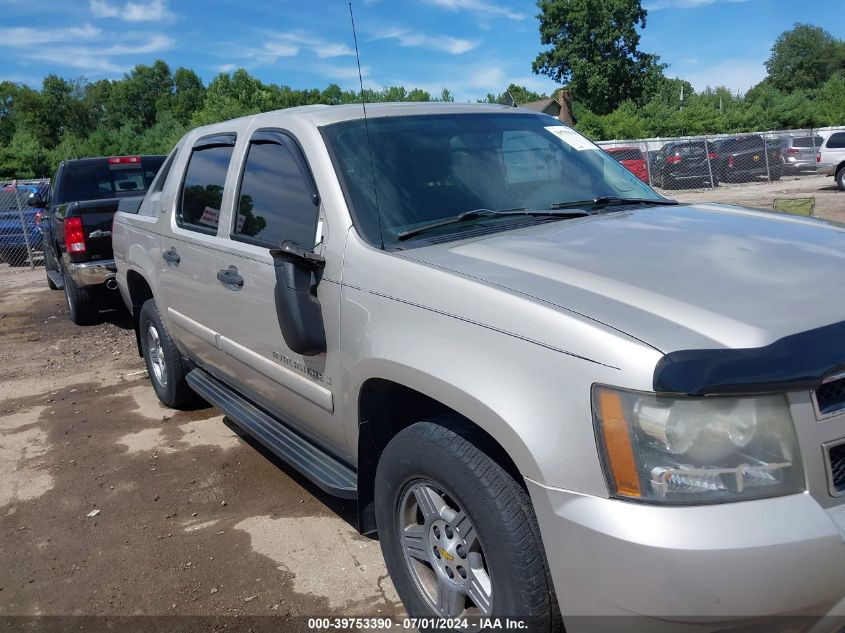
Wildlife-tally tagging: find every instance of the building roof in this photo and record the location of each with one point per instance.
(540, 105)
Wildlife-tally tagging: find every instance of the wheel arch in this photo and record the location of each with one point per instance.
(139, 291)
(388, 405)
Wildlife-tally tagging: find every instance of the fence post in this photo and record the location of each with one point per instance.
(647, 157)
(766, 154)
(24, 227)
(813, 141)
(709, 165)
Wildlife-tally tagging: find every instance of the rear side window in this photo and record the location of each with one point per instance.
(276, 201)
(836, 141)
(158, 184)
(807, 141)
(202, 189)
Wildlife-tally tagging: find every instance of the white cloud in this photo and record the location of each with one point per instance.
(152, 11)
(289, 45)
(738, 75)
(24, 36)
(442, 43)
(102, 9)
(478, 6)
(684, 4)
(77, 47)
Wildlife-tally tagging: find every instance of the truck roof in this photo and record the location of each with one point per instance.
(319, 115)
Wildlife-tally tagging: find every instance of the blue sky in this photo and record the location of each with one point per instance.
(470, 46)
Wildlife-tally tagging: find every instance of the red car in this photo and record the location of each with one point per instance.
(632, 159)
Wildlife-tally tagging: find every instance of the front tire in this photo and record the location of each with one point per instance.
(457, 531)
(163, 359)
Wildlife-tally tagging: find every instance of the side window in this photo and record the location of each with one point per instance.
(160, 177)
(276, 199)
(202, 190)
(836, 141)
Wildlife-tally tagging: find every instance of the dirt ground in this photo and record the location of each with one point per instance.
(113, 505)
(830, 201)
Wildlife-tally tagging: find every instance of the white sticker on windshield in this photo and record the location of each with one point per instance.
(571, 137)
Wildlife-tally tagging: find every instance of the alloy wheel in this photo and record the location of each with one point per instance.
(156, 353)
(443, 552)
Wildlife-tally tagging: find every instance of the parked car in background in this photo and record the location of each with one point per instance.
(631, 159)
(550, 389)
(798, 153)
(17, 226)
(830, 160)
(684, 164)
(747, 157)
(77, 226)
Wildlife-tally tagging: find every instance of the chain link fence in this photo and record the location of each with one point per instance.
(20, 234)
(690, 162)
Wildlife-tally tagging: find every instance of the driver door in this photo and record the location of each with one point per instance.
(277, 201)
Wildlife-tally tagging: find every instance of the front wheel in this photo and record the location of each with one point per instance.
(458, 532)
(163, 359)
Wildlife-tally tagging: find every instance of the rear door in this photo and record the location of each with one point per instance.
(276, 201)
(834, 148)
(188, 260)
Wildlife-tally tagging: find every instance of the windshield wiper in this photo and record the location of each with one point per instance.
(606, 201)
(475, 214)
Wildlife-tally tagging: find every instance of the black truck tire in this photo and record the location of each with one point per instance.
(164, 361)
(840, 178)
(478, 529)
(80, 302)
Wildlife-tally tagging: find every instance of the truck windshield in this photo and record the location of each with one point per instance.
(430, 167)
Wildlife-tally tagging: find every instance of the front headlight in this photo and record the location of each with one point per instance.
(684, 450)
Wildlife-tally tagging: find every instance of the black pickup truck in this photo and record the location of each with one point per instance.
(77, 223)
(747, 157)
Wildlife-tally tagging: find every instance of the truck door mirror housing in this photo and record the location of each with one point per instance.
(297, 307)
(36, 200)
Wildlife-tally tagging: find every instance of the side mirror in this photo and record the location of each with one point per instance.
(36, 201)
(297, 307)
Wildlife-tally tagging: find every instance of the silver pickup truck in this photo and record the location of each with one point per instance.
(554, 394)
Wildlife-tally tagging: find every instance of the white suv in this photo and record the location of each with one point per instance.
(831, 158)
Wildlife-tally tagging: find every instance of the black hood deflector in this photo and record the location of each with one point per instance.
(793, 363)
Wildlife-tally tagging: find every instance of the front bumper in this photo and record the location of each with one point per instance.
(92, 273)
(727, 562)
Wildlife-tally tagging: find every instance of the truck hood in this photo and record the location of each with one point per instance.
(675, 277)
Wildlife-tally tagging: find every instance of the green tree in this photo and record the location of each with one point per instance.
(804, 57)
(595, 50)
(141, 95)
(24, 157)
(188, 96)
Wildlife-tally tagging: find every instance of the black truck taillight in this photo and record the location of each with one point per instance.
(74, 235)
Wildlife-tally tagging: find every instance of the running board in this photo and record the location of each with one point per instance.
(326, 471)
(56, 278)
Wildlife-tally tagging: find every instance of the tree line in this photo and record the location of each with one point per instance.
(151, 107)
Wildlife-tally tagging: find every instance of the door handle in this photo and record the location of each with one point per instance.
(230, 277)
(171, 257)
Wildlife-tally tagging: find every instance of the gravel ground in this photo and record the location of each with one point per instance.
(113, 505)
(830, 201)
